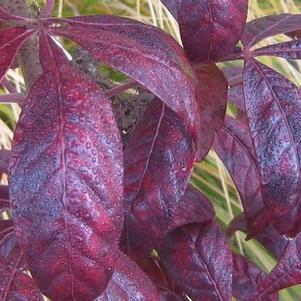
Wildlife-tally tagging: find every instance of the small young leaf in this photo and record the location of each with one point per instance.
(262, 28)
(246, 277)
(273, 108)
(287, 50)
(65, 183)
(158, 162)
(129, 283)
(205, 29)
(199, 259)
(143, 52)
(11, 39)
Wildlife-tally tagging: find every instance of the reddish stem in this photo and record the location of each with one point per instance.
(48, 8)
(119, 89)
(13, 97)
(8, 85)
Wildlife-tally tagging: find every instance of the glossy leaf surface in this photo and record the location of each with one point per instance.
(212, 98)
(66, 181)
(273, 108)
(129, 283)
(210, 29)
(233, 145)
(158, 162)
(198, 258)
(262, 28)
(11, 39)
(143, 52)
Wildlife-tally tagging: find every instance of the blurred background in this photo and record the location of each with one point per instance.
(210, 176)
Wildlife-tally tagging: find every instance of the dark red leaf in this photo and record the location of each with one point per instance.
(212, 98)
(66, 177)
(198, 258)
(233, 145)
(273, 107)
(8, 248)
(287, 272)
(14, 284)
(288, 50)
(6, 226)
(193, 208)
(11, 39)
(246, 277)
(4, 160)
(143, 52)
(129, 283)
(4, 192)
(268, 26)
(158, 162)
(269, 237)
(207, 33)
(4, 204)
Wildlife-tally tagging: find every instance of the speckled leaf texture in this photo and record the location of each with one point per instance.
(158, 162)
(129, 283)
(144, 53)
(287, 50)
(246, 277)
(199, 259)
(66, 177)
(233, 145)
(210, 29)
(262, 28)
(197, 256)
(14, 284)
(11, 39)
(4, 160)
(273, 108)
(286, 273)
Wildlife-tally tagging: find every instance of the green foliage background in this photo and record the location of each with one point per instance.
(210, 176)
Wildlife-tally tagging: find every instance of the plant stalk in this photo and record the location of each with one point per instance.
(28, 57)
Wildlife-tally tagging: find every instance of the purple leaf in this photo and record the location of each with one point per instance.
(287, 272)
(11, 39)
(172, 6)
(287, 50)
(193, 208)
(198, 258)
(233, 145)
(5, 15)
(145, 53)
(66, 177)
(246, 277)
(273, 108)
(210, 29)
(14, 284)
(262, 28)
(4, 160)
(6, 226)
(4, 192)
(212, 97)
(129, 283)
(158, 162)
